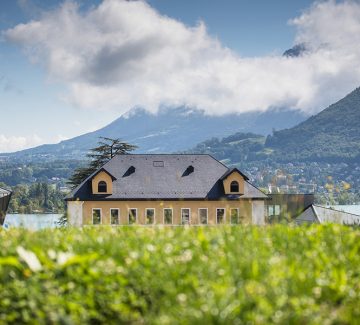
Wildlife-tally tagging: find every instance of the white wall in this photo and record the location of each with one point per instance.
(75, 213)
(258, 213)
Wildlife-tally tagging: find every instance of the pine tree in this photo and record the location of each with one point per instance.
(98, 156)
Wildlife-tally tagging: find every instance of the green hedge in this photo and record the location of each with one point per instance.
(210, 275)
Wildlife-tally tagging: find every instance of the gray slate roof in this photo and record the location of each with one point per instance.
(319, 214)
(172, 181)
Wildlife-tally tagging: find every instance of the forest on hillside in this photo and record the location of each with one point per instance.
(37, 187)
(36, 198)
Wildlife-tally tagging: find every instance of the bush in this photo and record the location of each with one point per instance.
(223, 275)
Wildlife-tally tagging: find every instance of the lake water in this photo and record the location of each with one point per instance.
(31, 221)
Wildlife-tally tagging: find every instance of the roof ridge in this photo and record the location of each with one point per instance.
(332, 209)
(315, 212)
(166, 154)
(232, 170)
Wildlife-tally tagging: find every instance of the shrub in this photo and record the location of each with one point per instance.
(222, 275)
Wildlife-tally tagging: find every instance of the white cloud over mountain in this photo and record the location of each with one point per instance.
(123, 54)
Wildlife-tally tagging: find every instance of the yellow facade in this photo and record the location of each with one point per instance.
(244, 207)
(105, 177)
(234, 177)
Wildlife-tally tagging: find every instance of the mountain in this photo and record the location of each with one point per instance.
(238, 147)
(296, 51)
(171, 130)
(333, 135)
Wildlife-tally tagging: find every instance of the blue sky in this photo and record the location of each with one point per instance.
(58, 82)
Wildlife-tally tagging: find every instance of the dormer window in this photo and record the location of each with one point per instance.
(234, 187)
(130, 171)
(190, 169)
(234, 182)
(102, 182)
(102, 187)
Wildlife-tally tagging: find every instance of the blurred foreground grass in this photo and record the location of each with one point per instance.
(206, 275)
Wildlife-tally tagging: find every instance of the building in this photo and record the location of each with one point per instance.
(319, 214)
(286, 207)
(169, 189)
(5, 197)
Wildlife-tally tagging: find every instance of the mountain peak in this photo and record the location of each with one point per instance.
(296, 51)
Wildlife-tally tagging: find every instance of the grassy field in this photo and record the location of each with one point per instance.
(198, 275)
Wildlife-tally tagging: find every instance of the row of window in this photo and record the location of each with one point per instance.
(167, 216)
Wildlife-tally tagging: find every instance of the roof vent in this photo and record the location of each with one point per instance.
(131, 170)
(188, 170)
(158, 163)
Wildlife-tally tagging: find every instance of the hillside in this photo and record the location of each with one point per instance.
(239, 147)
(331, 135)
(171, 130)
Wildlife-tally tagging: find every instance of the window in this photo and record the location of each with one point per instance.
(203, 216)
(274, 210)
(220, 216)
(132, 216)
(114, 216)
(234, 216)
(185, 216)
(96, 216)
(234, 187)
(168, 216)
(149, 216)
(102, 187)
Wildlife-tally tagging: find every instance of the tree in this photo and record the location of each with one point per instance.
(63, 221)
(98, 156)
(45, 191)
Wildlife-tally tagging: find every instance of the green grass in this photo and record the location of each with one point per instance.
(214, 275)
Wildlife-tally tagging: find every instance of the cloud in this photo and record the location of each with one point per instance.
(14, 143)
(123, 54)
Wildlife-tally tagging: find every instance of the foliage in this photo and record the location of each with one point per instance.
(36, 198)
(176, 275)
(332, 135)
(63, 220)
(14, 172)
(296, 177)
(98, 156)
(235, 148)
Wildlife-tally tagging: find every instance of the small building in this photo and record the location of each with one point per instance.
(170, 189)
(5, 196)
(286, 207)
(319, 214)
